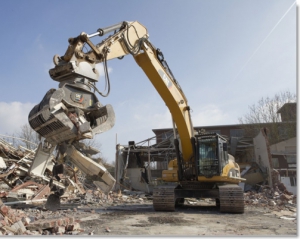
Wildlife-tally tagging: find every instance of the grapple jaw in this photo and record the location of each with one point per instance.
(70, 113)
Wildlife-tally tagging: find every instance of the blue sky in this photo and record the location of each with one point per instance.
(207, 44)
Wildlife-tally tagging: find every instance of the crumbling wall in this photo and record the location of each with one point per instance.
(128, 174)
(263, 157)
(120, 164)
(263, 154)
(136, 180)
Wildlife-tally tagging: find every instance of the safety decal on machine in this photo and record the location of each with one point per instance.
(79, 97)
(165, 79)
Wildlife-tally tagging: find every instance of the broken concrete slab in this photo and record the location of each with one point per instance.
(50, 223)
(59, 229)
(41, 160)
(19, 226)
(73, 227)
(2, 163)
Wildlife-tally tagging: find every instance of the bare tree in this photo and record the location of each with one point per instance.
(29, 135)
(265, 114)
(92, 143)
(11, 139)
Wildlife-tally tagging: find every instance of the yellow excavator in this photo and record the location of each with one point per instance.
(203, 168)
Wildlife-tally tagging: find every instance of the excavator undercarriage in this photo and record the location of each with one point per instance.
(229, 197)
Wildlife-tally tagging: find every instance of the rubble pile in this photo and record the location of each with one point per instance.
(18, 187)
(23, 184)
(35, 222)
(9, 151)
(273, 199)
(14, 163)
(34, 219)
(98, 198)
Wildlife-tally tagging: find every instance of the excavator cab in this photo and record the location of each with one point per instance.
(211, 149)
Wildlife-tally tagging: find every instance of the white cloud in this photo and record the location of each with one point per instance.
(153, 121)
(155, 116)
(145, 114)
(13, 115)
(209, 115)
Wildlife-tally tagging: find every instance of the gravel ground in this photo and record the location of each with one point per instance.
(201, 219)
(133, 215)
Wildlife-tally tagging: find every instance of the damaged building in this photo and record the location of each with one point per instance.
(139, 165)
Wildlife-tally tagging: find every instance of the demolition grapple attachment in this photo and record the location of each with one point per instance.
(70, 113)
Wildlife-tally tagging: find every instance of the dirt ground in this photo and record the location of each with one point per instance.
(200, 219)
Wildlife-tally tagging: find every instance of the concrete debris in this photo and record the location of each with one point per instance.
(16, 222)
(269, 198)
(254, 176)
(66, 221)
(191, 202)
(288, 218)
(2, 164)
(26, 181)
(33, 219)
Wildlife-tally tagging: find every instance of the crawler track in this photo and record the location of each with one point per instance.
(231, 199)
(164, 198)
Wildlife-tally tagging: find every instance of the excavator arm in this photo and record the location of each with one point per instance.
(129, 38)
